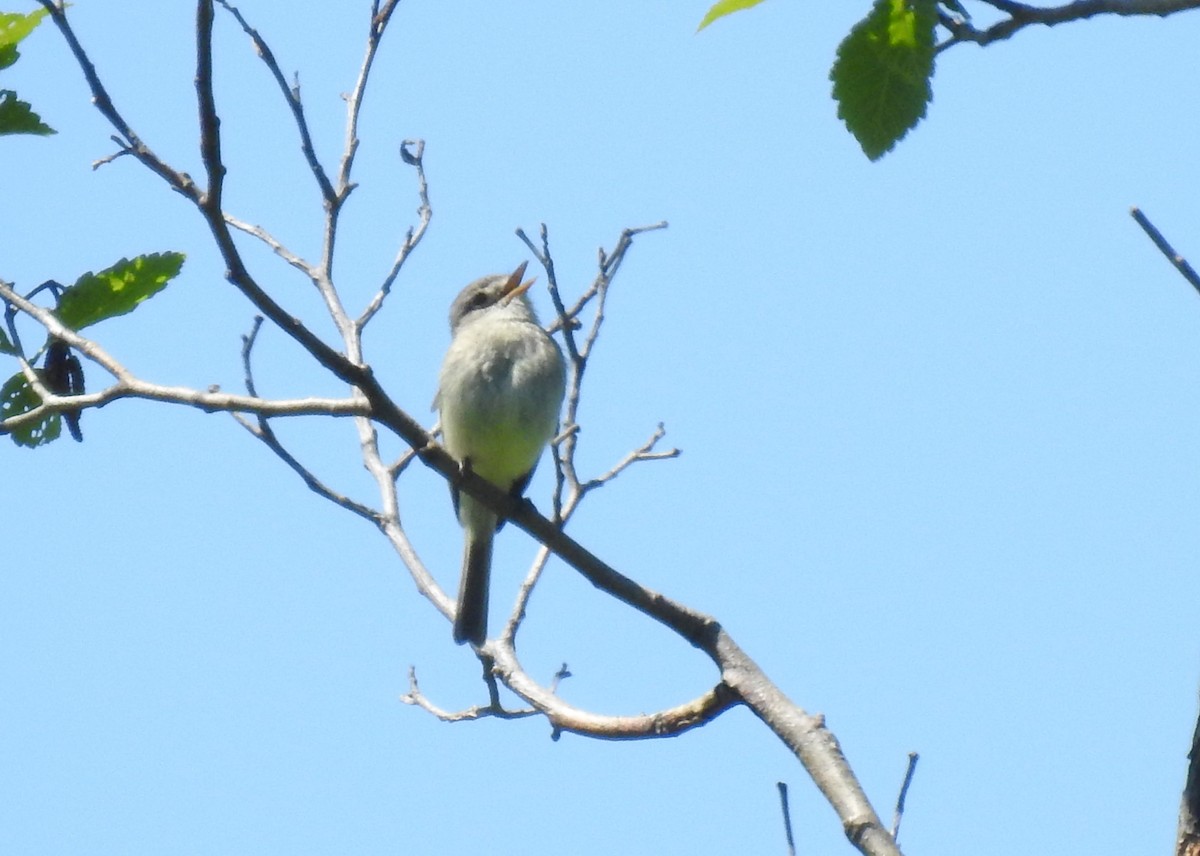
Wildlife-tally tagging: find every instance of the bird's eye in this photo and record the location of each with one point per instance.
(478, 300)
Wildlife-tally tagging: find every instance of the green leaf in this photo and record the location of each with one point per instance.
(6, 347)
(117, 290)
(17, 397)
(8, 55)
(14, 26)
(725, 7)
(17, 117)
(881, 77)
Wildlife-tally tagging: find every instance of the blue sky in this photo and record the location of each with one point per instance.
(938, 417)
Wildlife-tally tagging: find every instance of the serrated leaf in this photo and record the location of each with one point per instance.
(118, 290)
(14, 26)
(17, 117)
(725, 7)
(881, 77)
(17, 397)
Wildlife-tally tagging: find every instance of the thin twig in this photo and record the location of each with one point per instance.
(321, 277)
(266, 434)
(561, 675)
(414, 696)
(291, 95)
(405, 459)
(380, 16)
(1166, 249)
(913, 757)
(645, 452)
(412, 153)
(1021, 15)
(274, 243)
(178, 181)
(546, 260)
(524, 592)
(107, 159)
(263, 431)
(787, 817)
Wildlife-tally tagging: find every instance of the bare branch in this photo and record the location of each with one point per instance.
(523, 594)
(265, 433)
(412, 153)
(414, 696)
(209, 401)
(380, 16)
(787, 817)
(402, 462)
(208, 202)
(565, 717)
(913, 757)
(1021, 15)
(248, 341)
(107, 159)
(180, 182)
(1166, 249)
(645, 452)
(274, 243)
(291, 95)
(210, 122)
(546, 260)
(128, 386)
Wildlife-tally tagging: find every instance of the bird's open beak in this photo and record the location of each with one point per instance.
(514, 287)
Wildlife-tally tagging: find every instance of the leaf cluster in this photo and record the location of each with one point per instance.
(93, 297)
(17, 116)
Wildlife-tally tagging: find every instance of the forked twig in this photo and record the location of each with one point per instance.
(291, 97)
(263, 431)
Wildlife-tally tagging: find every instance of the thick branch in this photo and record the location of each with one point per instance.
(565, 717)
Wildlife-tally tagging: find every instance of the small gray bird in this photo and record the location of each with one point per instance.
(499, 393)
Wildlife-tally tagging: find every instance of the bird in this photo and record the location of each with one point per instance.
(500, 390)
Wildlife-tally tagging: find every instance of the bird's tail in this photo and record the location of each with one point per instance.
(470, 619)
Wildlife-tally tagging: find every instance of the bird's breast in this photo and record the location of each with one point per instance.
(499, 395)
